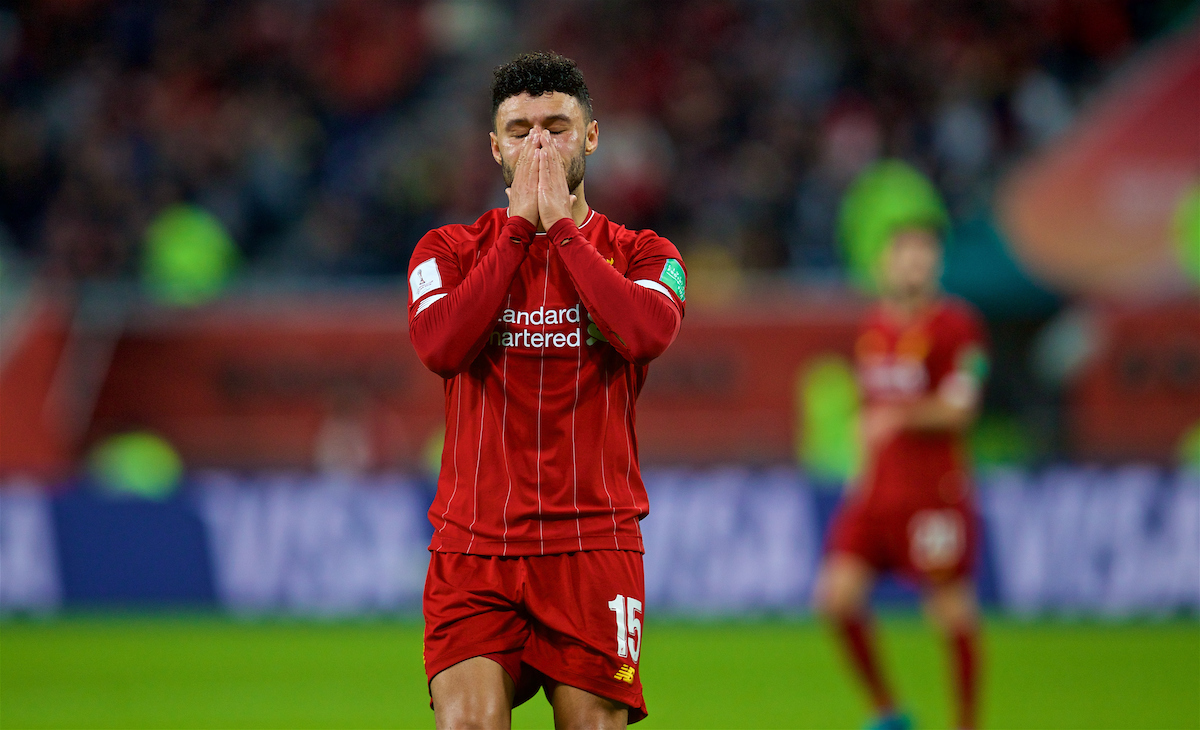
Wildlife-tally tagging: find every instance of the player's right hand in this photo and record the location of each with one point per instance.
(523, 194)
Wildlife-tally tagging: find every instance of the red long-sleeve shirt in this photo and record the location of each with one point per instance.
(945, 347)
(543, 340)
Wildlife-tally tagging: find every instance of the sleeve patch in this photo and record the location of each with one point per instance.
(424, 279)
(672, 275)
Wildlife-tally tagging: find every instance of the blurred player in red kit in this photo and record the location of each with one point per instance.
(542, 318)
(921, 362)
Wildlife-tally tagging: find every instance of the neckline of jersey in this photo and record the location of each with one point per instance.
(921, 318)
(591, 214)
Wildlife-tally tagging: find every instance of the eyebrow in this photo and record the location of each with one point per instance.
(547, 121)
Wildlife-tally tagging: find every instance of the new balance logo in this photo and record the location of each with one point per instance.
(625, 674)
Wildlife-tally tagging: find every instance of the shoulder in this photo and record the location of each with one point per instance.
(635, 242)
(958, 316)
(484, 229)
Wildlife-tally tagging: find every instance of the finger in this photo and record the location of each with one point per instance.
(557, 168)
(529, 170)
(558, 176)
(526, 148)
(544, 168)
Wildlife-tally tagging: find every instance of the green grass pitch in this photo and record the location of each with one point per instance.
(176, 672)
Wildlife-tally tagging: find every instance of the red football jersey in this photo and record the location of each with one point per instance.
(540, 454)
(943, 350)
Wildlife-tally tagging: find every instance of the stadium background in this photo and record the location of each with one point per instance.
(215, 439)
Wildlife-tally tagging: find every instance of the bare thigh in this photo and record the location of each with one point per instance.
(475, 693)
(575, 709)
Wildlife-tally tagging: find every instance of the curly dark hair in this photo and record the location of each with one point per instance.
(537, 73)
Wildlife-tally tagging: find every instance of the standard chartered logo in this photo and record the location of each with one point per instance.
(541, 318)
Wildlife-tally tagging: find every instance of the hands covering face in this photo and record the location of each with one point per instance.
(539, 191)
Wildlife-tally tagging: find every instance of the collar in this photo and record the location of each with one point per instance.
(586, 221)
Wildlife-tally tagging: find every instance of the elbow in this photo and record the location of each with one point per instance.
(445, 371)
(651, 343)
(647, 353)
(436, 357)
(645, 349)
(440, 364)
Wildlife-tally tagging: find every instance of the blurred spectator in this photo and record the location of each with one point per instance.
(327, 135)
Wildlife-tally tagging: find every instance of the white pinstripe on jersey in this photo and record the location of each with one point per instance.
(454, 452)
(503, 440)
(629, 458)
(478, 459)
(604, 463)
(541, 382)
(574, 460)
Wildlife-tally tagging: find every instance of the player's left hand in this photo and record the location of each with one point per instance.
(555, 200)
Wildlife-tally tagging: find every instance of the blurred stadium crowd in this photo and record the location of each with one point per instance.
(324, 137)
(302, 148)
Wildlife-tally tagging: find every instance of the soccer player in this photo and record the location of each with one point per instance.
(542, 318)
(921, 362)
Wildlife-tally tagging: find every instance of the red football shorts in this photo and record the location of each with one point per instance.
(924, 541)
(573, 619)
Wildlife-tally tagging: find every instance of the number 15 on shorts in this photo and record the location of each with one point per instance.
(629, 626)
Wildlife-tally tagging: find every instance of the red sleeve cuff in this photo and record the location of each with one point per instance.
(562, 231)
(519, 230)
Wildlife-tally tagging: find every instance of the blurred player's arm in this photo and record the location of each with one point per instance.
(449, 324)
(953, 406)
(956, 402)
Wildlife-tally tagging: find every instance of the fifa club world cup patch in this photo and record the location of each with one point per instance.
(425, 278)
(672, 275)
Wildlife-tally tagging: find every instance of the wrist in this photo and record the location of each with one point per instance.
(562, 231)
(519, 230)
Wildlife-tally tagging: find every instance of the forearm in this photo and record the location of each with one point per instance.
(639, 322)
(449, 333)
(936, 413)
